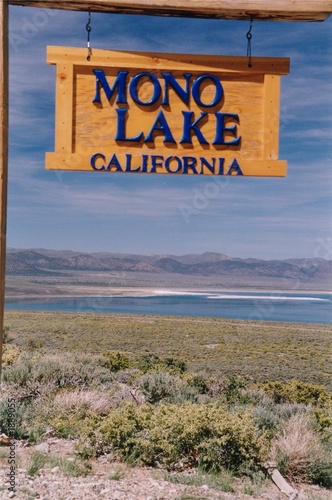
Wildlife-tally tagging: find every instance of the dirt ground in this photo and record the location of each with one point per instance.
(118, 481)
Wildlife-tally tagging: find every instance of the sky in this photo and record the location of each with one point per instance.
(268, 218)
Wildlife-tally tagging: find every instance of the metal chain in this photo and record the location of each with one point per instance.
(88, 29)
(249, 37)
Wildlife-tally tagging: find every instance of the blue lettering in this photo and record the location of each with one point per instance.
(145, 159)
(221, 129)
(93, 160)
(128, 164)
(189, 126)
(189, 162)
(205, 163)
(234, 166)
(160, 124)
(196, 91)
(168, 161)
(170, 81)
(114, 162)
(221, 166)
(156, 161)
(120, 82)
(121, 127)
(156, 88)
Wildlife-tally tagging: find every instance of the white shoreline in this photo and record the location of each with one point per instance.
(152, 292)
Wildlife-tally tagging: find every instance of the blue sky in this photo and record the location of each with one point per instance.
(266, 218)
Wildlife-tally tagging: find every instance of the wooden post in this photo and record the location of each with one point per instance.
(3, 157)
(278, 10)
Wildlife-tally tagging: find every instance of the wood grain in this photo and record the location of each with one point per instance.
(278, 10)
(3, 157)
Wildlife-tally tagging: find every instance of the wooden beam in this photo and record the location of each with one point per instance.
(278, 10)
(3, 157)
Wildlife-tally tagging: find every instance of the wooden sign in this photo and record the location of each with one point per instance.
(166, 113)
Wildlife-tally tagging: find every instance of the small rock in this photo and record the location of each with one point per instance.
(11, 494)
(55, 469)
(53, 440)
(48, 431)
(104, 491)
(205, 487)
(70, 459)
(43, 447)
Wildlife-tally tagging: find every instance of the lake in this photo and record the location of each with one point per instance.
(268, 306)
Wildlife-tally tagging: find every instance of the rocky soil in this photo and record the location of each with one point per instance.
(117, 481)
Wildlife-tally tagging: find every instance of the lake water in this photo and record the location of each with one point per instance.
(293, 307)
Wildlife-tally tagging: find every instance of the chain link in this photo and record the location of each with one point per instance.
(88, 29)
(249, 37)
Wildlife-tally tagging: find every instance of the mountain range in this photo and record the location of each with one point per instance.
(31, 262)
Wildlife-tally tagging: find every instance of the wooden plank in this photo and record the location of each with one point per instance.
(271, 117)
(81, 162)
(64, 106)
(165, 61)
(279, 10)
(3, 157)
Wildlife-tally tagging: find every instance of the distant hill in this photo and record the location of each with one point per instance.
(43, 262)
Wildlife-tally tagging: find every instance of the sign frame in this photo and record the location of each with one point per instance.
(73, 153)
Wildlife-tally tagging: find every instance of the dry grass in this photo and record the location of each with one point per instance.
(82, 402)
(296, 447)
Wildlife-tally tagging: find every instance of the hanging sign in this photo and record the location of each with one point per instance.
(166, 113)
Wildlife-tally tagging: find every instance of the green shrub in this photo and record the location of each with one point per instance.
(40, 374)
(255, 397)
(320, 472)
(37, 462)
(66, 411)
(34, 344)
(296, 391)
(116, 361)
(185, 393)
(116, 476)
(234, 388)
(5, 335)
(71, 426)
(11, 422)
(151, 362)
(323, 419)
(222, 481)
(148, 362)
(19, 373)
(72, 468)
(174, 365)
(10, 354)
(271, 418)
(159, 385)
(116, 432)
(198, 382)
(266, 420)
(189, 435)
